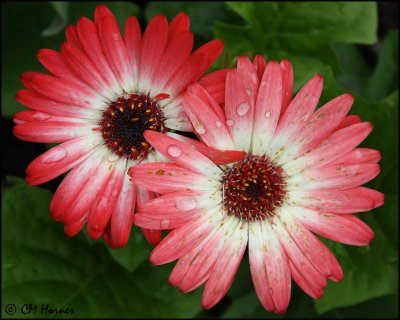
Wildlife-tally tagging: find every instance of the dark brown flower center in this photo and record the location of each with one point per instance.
(126, 119)
(253, 188)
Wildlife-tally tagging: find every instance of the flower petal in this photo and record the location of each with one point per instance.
(268, 108)
(343, 228)
(183, 155)
(167, 177)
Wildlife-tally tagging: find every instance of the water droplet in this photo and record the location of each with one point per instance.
(242, 108)
(200, 128)
(115, 36)
(41, 116)
(264, 83)
(56, 154)
(174, 151)
(304, 117)
(268, 114)
(185, 204)
(218, 124)
(53, 102)
(229, 122)
(248, 91)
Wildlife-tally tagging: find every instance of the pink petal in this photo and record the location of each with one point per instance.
(324, 121)
(115, 52)
(50, 132)
(344, 228)
(63, 91)
(71, 33)
(210, 51)
(91, 189)
(184, 239)
(239, 111)
(260, 64)
(334, 147)
(183, 155)
(358, 156)
(153, 46)
(200, 266)
(298, 112)
(201, 93)
(304, 284)
(312, 248)
(339, 201)
(85, 69)
(88, 34)
(133, 43)
(175, 55)
(334, 176)
(122, 217)
(207, 123)
(268, 108)
(287, 84)
(36, 101)
(297, 257)
(104, 206)
(348, 121)
(152, 236)
(180, 23)
(257, 267)
(55, 63)
(72, 229)
(60, 159)
(214, 83)
(217, 156)
(225, 268)
(167, 177)
(72, 185)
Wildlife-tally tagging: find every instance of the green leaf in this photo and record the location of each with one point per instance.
(375, 85)
(202, 14)
(41, 265)
(60, 20)
(134, 253)
(306, 28)
(385, 307)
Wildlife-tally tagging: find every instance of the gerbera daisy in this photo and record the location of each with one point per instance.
(301, 175)
(102, 91)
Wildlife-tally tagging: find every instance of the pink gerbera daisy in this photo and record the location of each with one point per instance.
(301, 175)
(102, 91)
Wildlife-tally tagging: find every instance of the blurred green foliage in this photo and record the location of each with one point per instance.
(41, 265)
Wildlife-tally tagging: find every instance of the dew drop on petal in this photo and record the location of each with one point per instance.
(248, 91)
(174, 151)
(229, 122)
(57, 154)
(267, 114)
(242, 108)
(185, 204)
(115, 36)
(114, 193)
(218, 124)
(41, 116)
(200, 128)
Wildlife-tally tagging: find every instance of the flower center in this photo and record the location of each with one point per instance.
(253, 188)
(126, 119)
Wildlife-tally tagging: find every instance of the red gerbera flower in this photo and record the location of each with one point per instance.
(301, 175)
(103, 91)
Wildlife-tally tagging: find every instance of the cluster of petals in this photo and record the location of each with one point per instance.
(322, 171)
(98, 65)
